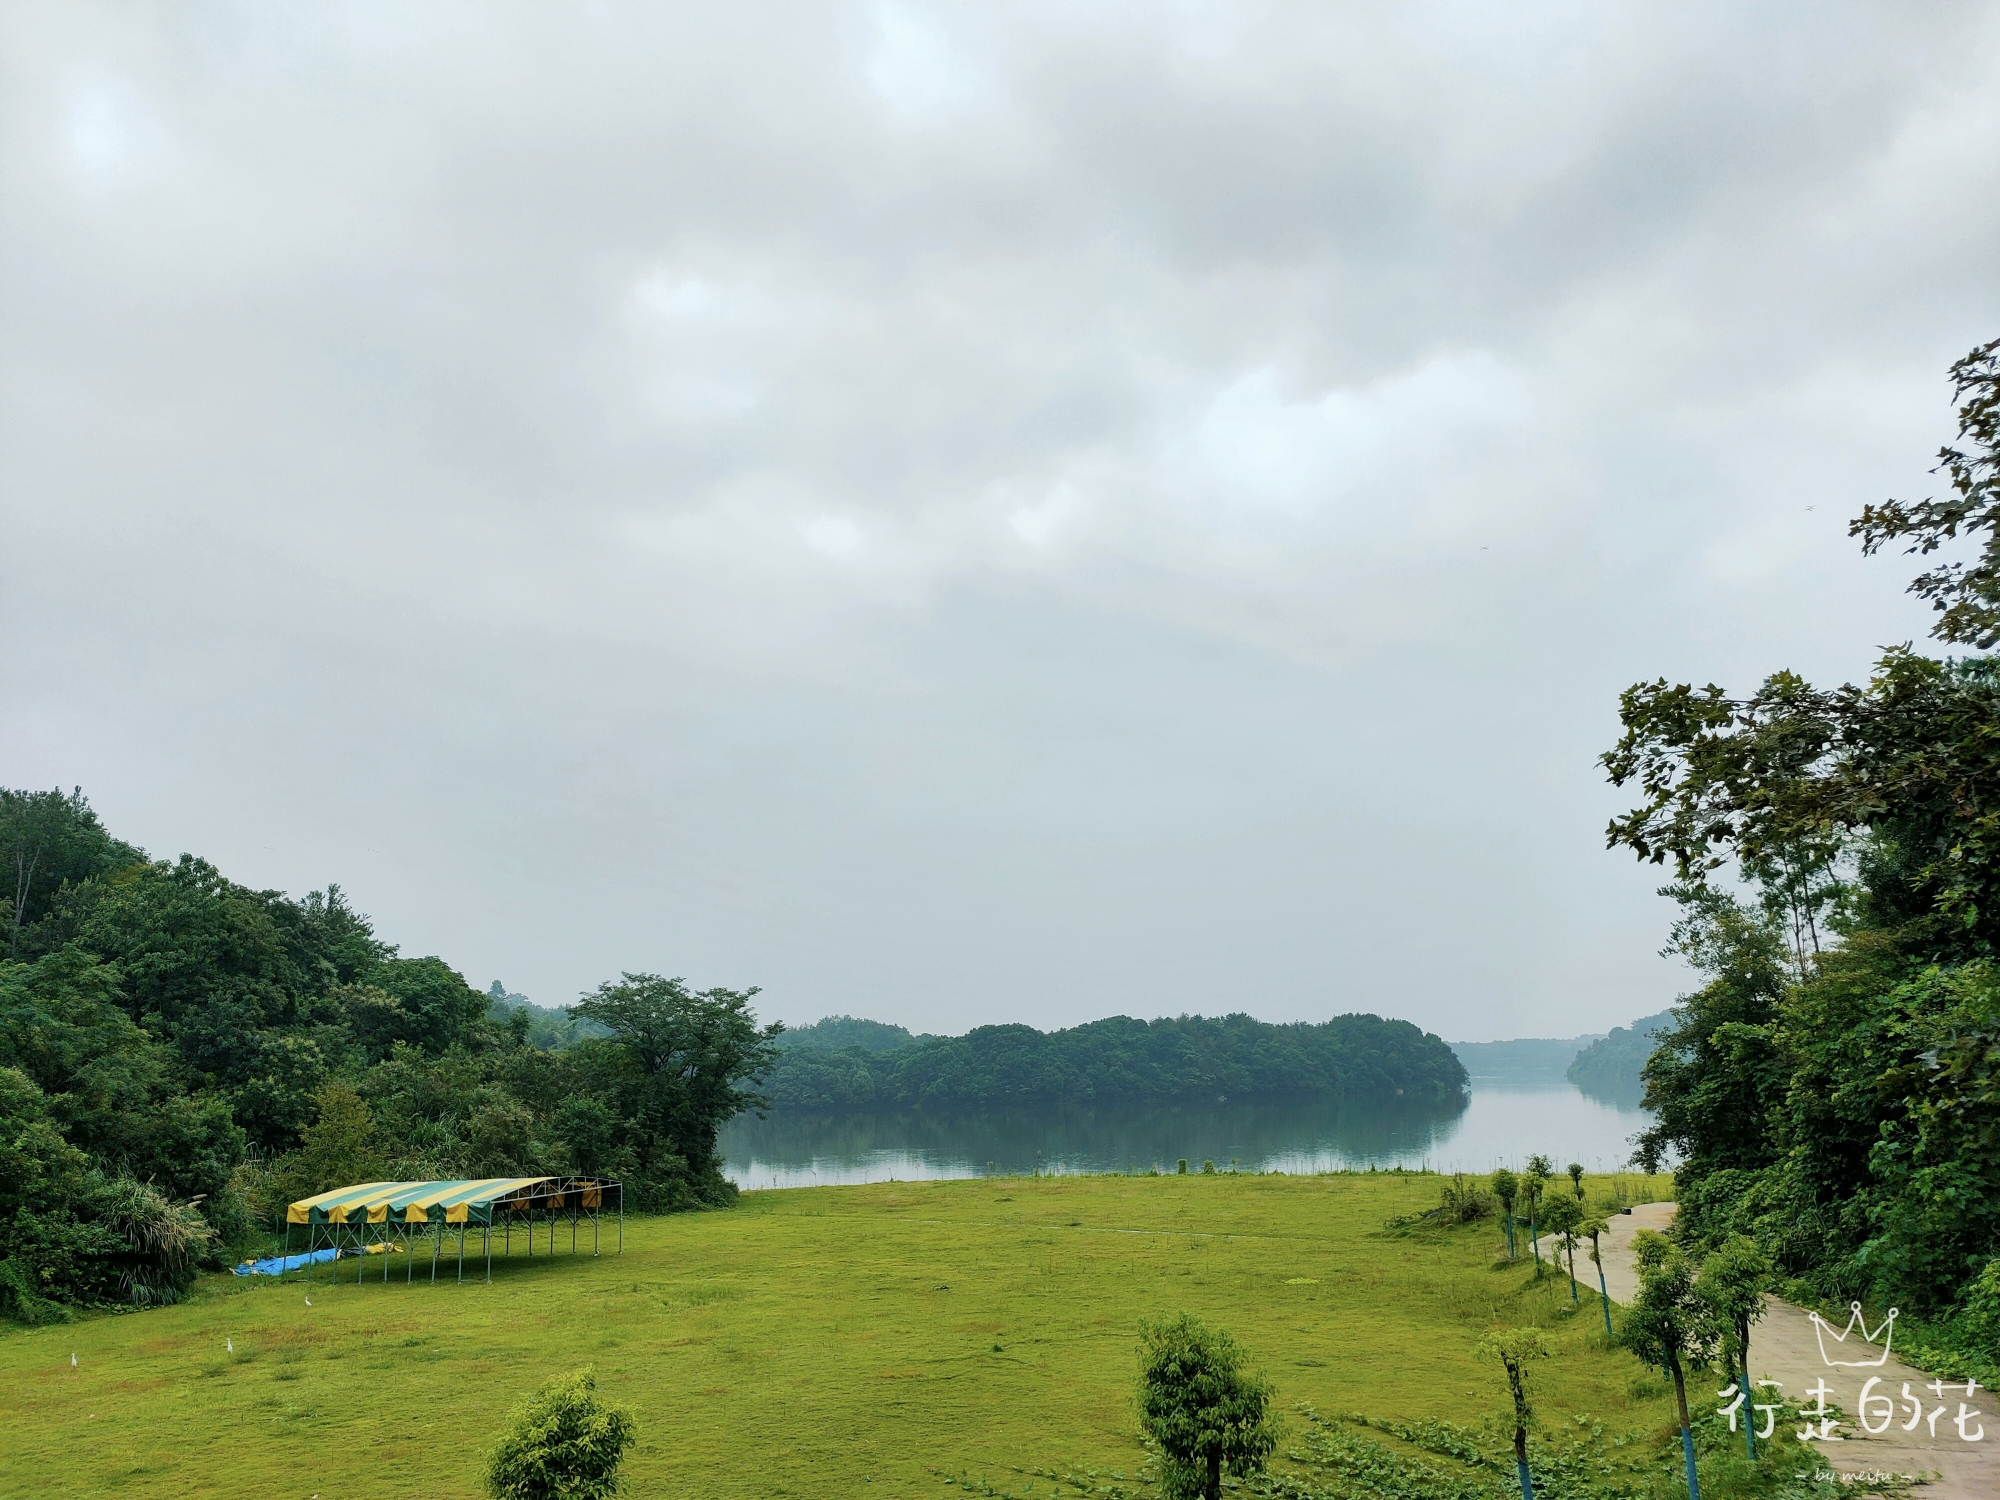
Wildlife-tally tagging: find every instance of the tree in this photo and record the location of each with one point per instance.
(1562, 1216)
(1506, 1186)
(1533, 1181)
(1206, 1413)
(1732, 1282)
(1575, 1170)
(565, 1444)
(1716, 1072)
(1671, 1325)
(1595, 1224)
(1514, 1347)
(1967, 599)
(48, 841)
(694, 1060)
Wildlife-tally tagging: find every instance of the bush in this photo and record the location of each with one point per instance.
(565, 1445)
(1207, 1414)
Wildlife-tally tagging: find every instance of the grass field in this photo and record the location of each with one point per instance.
(820, 1341)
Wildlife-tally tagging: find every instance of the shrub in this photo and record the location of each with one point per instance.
(1204, 1411)
(565, 1445)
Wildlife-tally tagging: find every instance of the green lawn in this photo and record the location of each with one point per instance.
(819, 1341)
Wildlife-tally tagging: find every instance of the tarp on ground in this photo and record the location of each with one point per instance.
(277, 1265)
(461, 1201)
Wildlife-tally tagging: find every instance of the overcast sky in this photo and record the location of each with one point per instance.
(962, 513)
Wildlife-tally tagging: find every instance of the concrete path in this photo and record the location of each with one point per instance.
(1786, 1348)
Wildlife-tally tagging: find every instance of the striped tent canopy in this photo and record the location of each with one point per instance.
(474, 1200)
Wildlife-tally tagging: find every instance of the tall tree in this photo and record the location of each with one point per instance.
(1967, 598)
(693, 1062)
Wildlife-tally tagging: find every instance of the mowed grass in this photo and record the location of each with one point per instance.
(816, 1341)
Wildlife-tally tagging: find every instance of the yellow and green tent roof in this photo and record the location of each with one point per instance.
(457, 1201)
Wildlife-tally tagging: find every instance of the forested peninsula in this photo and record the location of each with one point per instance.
(844, 1063)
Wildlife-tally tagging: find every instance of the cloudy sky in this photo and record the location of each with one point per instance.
(959, 514)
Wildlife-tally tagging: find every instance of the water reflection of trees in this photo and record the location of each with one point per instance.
(1099, 1140)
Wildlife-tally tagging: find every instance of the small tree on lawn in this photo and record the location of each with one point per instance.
(1593, 1225)
(1514, 1347)
(1575, 1170)
(565, 1445)
(1562, 1216)
(1540, 1169)
(1732, 1282)
(1507, 1187)
(1205, 1412)
(1670, 1323)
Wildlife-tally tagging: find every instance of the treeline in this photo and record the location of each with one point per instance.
(181, 1055)
(1190, 1059)
(1834, 1087)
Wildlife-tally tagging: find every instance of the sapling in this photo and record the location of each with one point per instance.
(1594, 1225)
(1532, 1182)
(1563, 1215)
(1506, 1186)
(1514, 1347)
(1671, 1324)
(1732, 1281)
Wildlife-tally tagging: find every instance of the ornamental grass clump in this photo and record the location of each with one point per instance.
(565, 1444)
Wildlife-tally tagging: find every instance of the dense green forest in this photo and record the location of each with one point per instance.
(1834, 1086)
(1114, 1061)
(1612, 1067)
(181, 1055)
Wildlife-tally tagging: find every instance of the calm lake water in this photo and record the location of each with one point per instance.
(1497, 1127)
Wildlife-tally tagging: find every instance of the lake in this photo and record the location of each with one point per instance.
(1497, 1126)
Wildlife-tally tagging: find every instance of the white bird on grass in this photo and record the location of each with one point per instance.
(230, 1344)
(72, 1360)
(309, 1300)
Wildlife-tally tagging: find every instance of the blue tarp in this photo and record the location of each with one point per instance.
(277, 1265)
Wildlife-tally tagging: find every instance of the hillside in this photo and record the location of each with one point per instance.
(1609, 1068)
(1523, 1062)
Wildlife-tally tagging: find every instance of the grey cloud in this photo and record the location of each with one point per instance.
(961, 515)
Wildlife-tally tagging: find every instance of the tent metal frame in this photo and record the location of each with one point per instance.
(396, 1235)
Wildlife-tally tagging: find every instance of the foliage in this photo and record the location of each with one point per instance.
(1732, 1282)
(1514, 1348)
(180, 1056)
(846, 1033)
(565, 1444)
(1120, 1060)
(689, 1063)
(48, 841)
(1207, 1414)
(1967, 599)
(1610, 1067)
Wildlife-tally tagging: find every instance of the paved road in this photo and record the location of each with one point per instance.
(1785, 1347)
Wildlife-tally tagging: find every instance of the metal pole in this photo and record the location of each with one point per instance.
(409, 1255)
(461, 1254)
(487, 1235)
(432, 1235)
